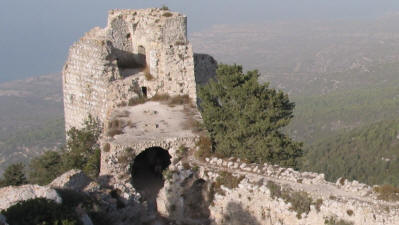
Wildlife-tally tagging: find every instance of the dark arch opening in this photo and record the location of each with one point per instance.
(147, 171)
(144, 90)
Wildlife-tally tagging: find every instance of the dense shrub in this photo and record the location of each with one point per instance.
(82, 152)
(244, 118)
(14, 175)
(40, 211)
(45, 168)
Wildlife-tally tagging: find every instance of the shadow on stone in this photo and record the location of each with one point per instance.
(196, 204)
(147, 171)
(128, 63)
(236, 215)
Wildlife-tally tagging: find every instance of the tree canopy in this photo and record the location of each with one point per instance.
(82, 152)
(244, 118)
(14, 175)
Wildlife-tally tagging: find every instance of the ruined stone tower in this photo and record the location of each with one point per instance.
(142, 53)
(139, 53)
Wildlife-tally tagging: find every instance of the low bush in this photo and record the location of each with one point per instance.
(387, 192)
(40, 211)
(179, 100)
(106, 147)
(182, 152)
(167, 14)
(318, 204)
(300, 201)
(193, 125)
(115, 127)
(168, 174)
(335, 221)
(228, 180)
(349, 212)
(204, 145)
(160, 97)
(137, 101)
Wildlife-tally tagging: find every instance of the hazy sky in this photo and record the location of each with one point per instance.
(35, 34)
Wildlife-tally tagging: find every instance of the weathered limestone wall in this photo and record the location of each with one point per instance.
(352, 202)
(140, 52)
(116, 161)
(252, 202)
(83, 81)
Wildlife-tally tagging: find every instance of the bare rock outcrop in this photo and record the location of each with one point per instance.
(12, 194)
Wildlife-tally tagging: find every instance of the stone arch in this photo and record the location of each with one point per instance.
(147, 171)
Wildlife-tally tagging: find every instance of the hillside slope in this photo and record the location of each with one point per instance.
(31, 118)
(368, 154)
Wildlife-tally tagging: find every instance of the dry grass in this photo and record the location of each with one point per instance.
(160, 98)
(124, 113)
(115, 127)
(387, 192)
(205, 147)
(106, 147)
(179, 100)
(318, 204)
(148, 76)
(193, 125)
(173, 100)
(335, 221)
(167, 14)
(137, 101)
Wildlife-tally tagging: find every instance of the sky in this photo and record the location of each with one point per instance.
(35, 34)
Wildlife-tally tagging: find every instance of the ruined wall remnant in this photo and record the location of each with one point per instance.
(139, 52)
(269, 194)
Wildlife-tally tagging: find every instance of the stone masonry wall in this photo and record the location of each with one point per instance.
(116, 161)
(140, 52)
(252, 201)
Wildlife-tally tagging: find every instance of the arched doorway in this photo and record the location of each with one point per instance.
(147, 171)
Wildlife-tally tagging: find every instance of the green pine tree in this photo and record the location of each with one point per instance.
(45, 168)
(14, 175)
(245, 118)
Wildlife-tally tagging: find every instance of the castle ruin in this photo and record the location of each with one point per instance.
(139, 53)
(145, 53)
